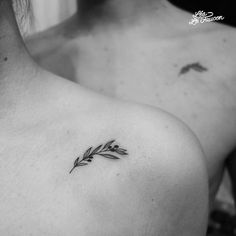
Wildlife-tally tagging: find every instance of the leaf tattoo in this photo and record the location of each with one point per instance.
(110, 150)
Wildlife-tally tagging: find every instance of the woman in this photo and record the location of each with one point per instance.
(143, 175)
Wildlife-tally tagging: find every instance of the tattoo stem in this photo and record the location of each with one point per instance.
(72, 169)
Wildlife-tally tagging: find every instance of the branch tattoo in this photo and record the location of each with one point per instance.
(110, 150)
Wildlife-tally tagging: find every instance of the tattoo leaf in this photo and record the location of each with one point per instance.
(110, 156)
(86, 154)
(83, 164)
(76, 161)
(96, 150)
(108, 144)
(121, 151)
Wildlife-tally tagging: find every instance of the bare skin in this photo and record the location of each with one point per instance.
(153, 56)
(159, 188)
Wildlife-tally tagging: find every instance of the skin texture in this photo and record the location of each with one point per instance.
(151, 55)
(160, 188)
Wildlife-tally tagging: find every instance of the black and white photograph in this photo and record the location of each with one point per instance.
(117, 118)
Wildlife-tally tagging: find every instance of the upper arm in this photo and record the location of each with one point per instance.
(189, 183)
(174, 154)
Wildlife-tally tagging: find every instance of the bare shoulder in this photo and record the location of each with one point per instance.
(159, 130)
(219, 38)
(150, 132)
(169, 158)
(161, 134)
(165, 165)
(214, 45)
(222, 53)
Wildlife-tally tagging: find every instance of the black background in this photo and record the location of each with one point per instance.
(225, 8)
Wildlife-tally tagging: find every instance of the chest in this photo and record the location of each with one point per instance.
(125, 65)
(172, 75)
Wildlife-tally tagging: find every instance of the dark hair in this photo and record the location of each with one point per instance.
(24, 14)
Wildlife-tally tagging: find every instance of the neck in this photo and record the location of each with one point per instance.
(16, 66)
(121, 11)
(12, 50)
(129, 9)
